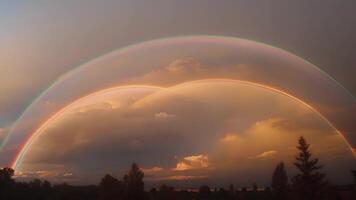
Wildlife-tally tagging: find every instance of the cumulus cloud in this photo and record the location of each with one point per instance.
(230, 137)
(193, 162)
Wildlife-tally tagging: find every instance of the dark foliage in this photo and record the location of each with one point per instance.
(309, 183)
(110, 188)
(6, 181)
(204, 192)
(134, 183)
(280, 182)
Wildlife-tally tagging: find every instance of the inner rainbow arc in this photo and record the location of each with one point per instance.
(32, 137)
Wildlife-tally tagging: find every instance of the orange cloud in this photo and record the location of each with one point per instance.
(230, 138)
(152, 170)
(182, 177)
(42, 174)
(163, 115)
(267, 154)
(193, 162)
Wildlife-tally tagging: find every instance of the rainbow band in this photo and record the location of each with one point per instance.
(26, 145)
(37, 132)
(167, 40)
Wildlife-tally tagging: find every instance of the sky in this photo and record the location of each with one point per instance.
(182, 135)
(42, 40)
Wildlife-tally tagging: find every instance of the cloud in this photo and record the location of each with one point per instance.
(164, 115)
(193, 162)
(267, 154)
(188, 69)
(152, 170)
(161, 67)
(184, 66)
(230, 137)
(211, 136)
(43, 174)
(68, 175)
(182, 177)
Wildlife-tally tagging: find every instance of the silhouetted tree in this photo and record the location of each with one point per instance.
(232, 189)
(6, 181)
(134, 183)
(254, 187)
(204, 192)
(111, 188)
(280, 181)
(153, 193)
(223, 194)
(46, 184)
(166, 192)
(354, 177)
(47, 190)
(6, 175)
(309, 183)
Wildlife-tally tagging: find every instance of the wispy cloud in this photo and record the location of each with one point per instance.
(43, 174)
(152, 170)
(267, 154)
(164, 115)
(182, 177)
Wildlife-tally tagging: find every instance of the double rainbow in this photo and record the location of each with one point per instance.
(167, 41)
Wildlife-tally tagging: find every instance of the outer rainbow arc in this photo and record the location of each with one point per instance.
(135, 46)
(36, 133)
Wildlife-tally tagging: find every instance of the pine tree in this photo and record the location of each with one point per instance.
(280, 181)
(309, 183)
(134, 183)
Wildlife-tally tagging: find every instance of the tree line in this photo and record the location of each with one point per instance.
(309, 184)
